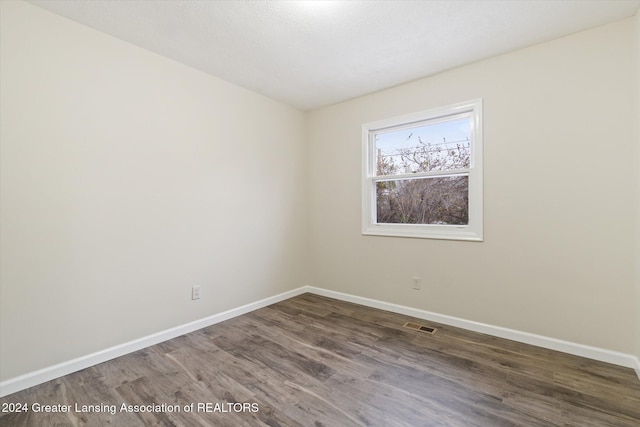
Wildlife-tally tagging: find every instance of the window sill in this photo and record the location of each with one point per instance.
(451, 232)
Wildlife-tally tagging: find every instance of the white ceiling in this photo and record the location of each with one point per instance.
(314, 53)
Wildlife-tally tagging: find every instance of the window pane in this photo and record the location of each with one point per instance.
(439, 146)
(441, 200)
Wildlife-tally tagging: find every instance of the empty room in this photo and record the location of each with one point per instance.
(319, 213)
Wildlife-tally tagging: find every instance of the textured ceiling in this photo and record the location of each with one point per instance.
(314, 53)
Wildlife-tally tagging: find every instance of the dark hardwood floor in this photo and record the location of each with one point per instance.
(315, 361)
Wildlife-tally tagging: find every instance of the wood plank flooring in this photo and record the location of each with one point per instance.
(315, 361)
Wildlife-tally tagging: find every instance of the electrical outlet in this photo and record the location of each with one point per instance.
(417, 284)
(195, 292)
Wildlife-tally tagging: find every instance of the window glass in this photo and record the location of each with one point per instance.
(422, 174)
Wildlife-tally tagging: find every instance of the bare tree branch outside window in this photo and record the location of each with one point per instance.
(440, 199)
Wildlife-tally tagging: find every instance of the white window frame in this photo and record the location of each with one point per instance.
(473, 231)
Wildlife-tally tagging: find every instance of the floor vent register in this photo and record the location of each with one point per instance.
(420, 328)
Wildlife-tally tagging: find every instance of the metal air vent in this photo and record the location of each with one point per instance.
(420, 328)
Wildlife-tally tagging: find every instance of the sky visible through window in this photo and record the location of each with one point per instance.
(445, 135)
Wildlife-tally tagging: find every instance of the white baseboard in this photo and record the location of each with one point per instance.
(595, 353)
(56, 371)
(31, 379)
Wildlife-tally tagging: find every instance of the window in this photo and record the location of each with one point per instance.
(423, 174)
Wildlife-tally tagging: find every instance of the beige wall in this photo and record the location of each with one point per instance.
(126, 179)
(637, 169)
(557, 259)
